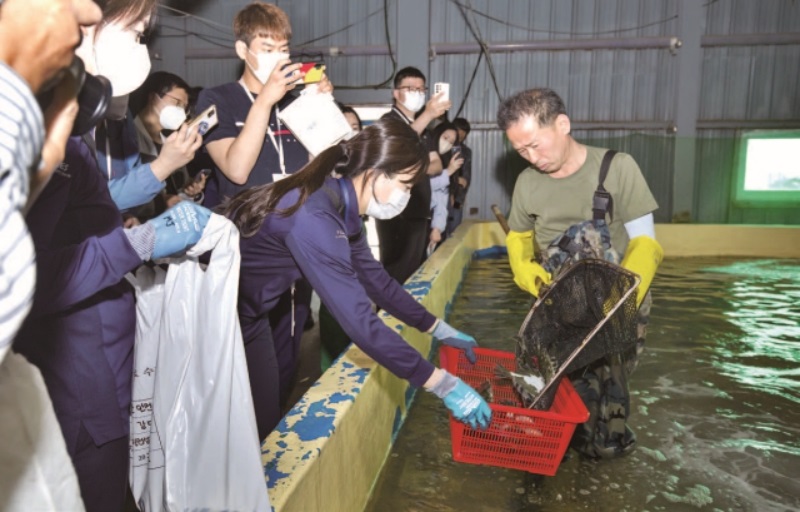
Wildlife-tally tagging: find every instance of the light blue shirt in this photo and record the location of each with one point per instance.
(440, 194)
(131, 180)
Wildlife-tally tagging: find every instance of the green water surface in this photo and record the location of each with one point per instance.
(716, 404)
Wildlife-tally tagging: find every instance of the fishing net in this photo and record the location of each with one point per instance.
(587, 313)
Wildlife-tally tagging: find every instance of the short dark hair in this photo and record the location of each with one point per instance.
(159, 83)
(543, 104)
(260, 19)
(462, 124)
(407, 72)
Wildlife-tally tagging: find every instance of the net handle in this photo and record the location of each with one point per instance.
(501, 219)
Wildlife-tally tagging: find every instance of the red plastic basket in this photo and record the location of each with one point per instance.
(517, 438)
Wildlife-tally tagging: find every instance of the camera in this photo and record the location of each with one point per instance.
(312, 72)
(93, 92)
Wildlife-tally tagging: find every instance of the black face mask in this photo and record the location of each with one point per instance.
(94, 95)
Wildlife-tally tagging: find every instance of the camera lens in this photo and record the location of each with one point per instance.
(93, 101)
(93, 93)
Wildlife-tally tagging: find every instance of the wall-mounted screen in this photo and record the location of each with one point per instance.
(768, 169)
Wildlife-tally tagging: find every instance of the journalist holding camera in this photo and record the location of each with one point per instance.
(80, 331)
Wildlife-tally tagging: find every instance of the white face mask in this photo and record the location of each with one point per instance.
(171, 117)
(266, 63)
(394, 206)
(444, 146)
(414, 100)
(121, 59)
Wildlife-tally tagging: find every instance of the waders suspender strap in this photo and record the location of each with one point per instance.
(601, 203)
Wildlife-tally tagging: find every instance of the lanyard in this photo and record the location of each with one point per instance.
(278, 144)
(91, 141)
(108, 152)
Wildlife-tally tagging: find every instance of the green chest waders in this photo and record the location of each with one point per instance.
(603, 383)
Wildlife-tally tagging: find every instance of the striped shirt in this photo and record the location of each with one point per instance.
(21, 139)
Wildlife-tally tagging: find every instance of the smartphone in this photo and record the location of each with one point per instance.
(430, 249)
(442, 87)
(205, 121)
(313, 72)
(199, 175)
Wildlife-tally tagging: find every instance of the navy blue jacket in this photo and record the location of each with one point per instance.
(80, 331)
(324, 243)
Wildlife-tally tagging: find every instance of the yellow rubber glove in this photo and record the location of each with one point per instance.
(528, 275)
(642, 257)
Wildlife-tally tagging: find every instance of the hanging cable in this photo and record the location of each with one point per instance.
(469, 85)
(391, 55)
(215, 40)
(487, 53)
(362, 20)
(484, 47)
(388, 43)
(228, 31)
(558, 32)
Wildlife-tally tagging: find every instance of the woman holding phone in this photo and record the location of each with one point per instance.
(161, 107)
(145, 152)
(445, 137)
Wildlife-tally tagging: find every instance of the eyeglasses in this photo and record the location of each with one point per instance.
(178, 102)
(407, 88)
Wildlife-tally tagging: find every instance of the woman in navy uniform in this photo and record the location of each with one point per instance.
(308, 225)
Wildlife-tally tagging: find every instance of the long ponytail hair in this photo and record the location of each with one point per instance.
(389, 146)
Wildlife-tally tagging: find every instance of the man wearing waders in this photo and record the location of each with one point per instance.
(578, 201)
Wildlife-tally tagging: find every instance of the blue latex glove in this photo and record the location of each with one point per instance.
(455, 338)
(464, 402)
(178, 228)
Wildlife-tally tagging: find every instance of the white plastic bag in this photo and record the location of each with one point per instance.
(36, 472)
(316, 121)
(194, 442)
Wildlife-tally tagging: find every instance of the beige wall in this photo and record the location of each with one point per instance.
(683, 240)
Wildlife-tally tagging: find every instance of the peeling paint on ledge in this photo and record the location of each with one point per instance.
(304, 430)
